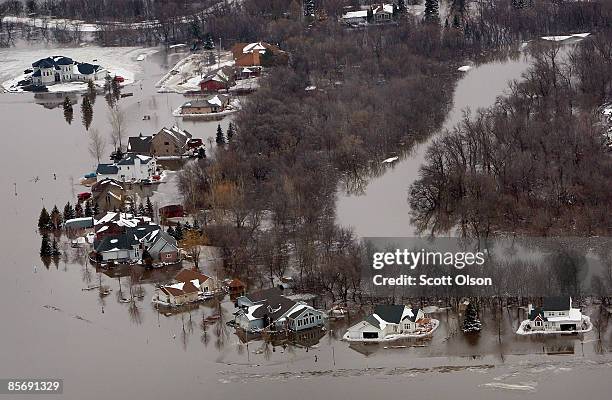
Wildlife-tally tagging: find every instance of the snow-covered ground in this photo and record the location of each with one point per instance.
(585, 320)
(187, 73)
(390, 338)
(565, 37)
(120, 61)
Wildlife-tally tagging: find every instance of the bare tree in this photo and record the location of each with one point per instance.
(117, 121)
(97, 145)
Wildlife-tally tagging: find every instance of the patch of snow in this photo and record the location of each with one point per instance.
(464, 68)
(390, 160)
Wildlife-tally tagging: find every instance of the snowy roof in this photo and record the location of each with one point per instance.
(388, 8)
(130, 159)
(356, 14)
(252, 47)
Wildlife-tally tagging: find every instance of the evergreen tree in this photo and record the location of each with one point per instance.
(187, 226)
(171, 232)
(178, 232)
(471, 323)
(44, 220)
(132, 210)
(86, 112)
(78, 210)
(432, 12)
(309, 8)
(209, 42)
(196, 224)
(220, 138)
(95, 210)
(201, 152)
(91, 91)
(45, 246)
(56, 218)
(401, 7)
(88, 209)
(116, 89)
(141, 210)
(68, 211)
(230, 132)
(55, 251)
(68, 110)
(149, 208)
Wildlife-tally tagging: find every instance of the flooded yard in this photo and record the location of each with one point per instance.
(104, 347)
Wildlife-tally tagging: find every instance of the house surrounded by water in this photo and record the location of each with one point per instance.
(60, 69)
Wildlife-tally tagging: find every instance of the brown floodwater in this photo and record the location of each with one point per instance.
(388, 194)
(103, 347)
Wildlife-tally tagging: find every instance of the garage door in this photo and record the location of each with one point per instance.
(370, 335)
(568, 327)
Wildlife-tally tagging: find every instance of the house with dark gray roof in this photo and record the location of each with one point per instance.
(555, 315)
(269, 310)
(131, 168)
(61, 69)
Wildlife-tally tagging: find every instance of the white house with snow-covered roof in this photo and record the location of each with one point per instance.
(557, 314)
(391, 320)
(131, 168)
(60, 69)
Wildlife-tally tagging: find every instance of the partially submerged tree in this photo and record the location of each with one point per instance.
(471, 323)
(192, 243)
(86, 112)
(97, 145)
(44, 220)
(68, 110)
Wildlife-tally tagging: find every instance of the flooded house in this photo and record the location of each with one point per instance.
(177, 294)
(269, 310)
(220, 79)
(60, 69)
(166, 142)
(189, 286)
(258, 54)
(385, 321)
(556, 315)
(131, 168)
(123, 238)
(208, 105)
(172, 211)
(109, 194)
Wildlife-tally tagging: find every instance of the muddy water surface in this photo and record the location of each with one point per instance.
(103, 347)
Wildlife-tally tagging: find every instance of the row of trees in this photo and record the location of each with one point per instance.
(271, 194)
(535, 163)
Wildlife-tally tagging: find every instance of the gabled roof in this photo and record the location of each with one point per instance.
(273, 307)
(87, 69)
(106, 183)
(372, 320)
(261, 295)
(188, 275)
(537, 312)
(115, 242)
(556, 303)
(179, 289)
(140, 144)
(107, 169)
(390, 312)
(410, 314)
(130, 159)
